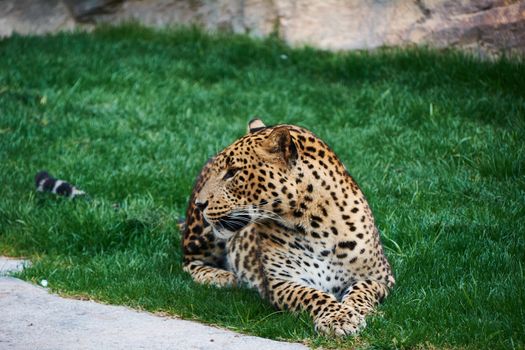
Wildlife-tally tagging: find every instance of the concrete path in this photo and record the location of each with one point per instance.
(32, 318)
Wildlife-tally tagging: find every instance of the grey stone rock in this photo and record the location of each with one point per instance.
(34, 17)
(486, 27)
(32, 318)
(10, 265)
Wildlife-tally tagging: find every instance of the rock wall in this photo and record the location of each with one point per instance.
(486, 27)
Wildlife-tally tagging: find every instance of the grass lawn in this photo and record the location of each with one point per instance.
(435, 139)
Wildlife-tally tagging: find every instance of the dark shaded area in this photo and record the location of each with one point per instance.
(86, 10)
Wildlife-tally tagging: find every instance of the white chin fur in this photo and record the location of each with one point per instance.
(222, 234)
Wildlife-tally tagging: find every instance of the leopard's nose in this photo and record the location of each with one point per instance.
(201, 205)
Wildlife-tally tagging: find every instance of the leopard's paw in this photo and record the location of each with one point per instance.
(340, 322)
(224, 279)
(210, 275)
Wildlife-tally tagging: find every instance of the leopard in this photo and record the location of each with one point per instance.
(277, 211)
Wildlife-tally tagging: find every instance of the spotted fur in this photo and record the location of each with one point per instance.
(278, 211)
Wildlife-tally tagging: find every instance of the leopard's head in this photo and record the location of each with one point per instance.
(249, 180)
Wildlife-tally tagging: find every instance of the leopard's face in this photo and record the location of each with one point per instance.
(244, 180)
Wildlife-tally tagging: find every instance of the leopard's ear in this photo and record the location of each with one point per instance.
(255, 125)
(279, 143)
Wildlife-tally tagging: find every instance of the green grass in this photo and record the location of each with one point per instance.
(435, 139)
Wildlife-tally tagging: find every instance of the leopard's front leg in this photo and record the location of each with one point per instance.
(330, 316)
(364, 296)
(209, 275)
(203, 254)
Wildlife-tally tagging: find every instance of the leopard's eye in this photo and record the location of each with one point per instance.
(230, 173)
